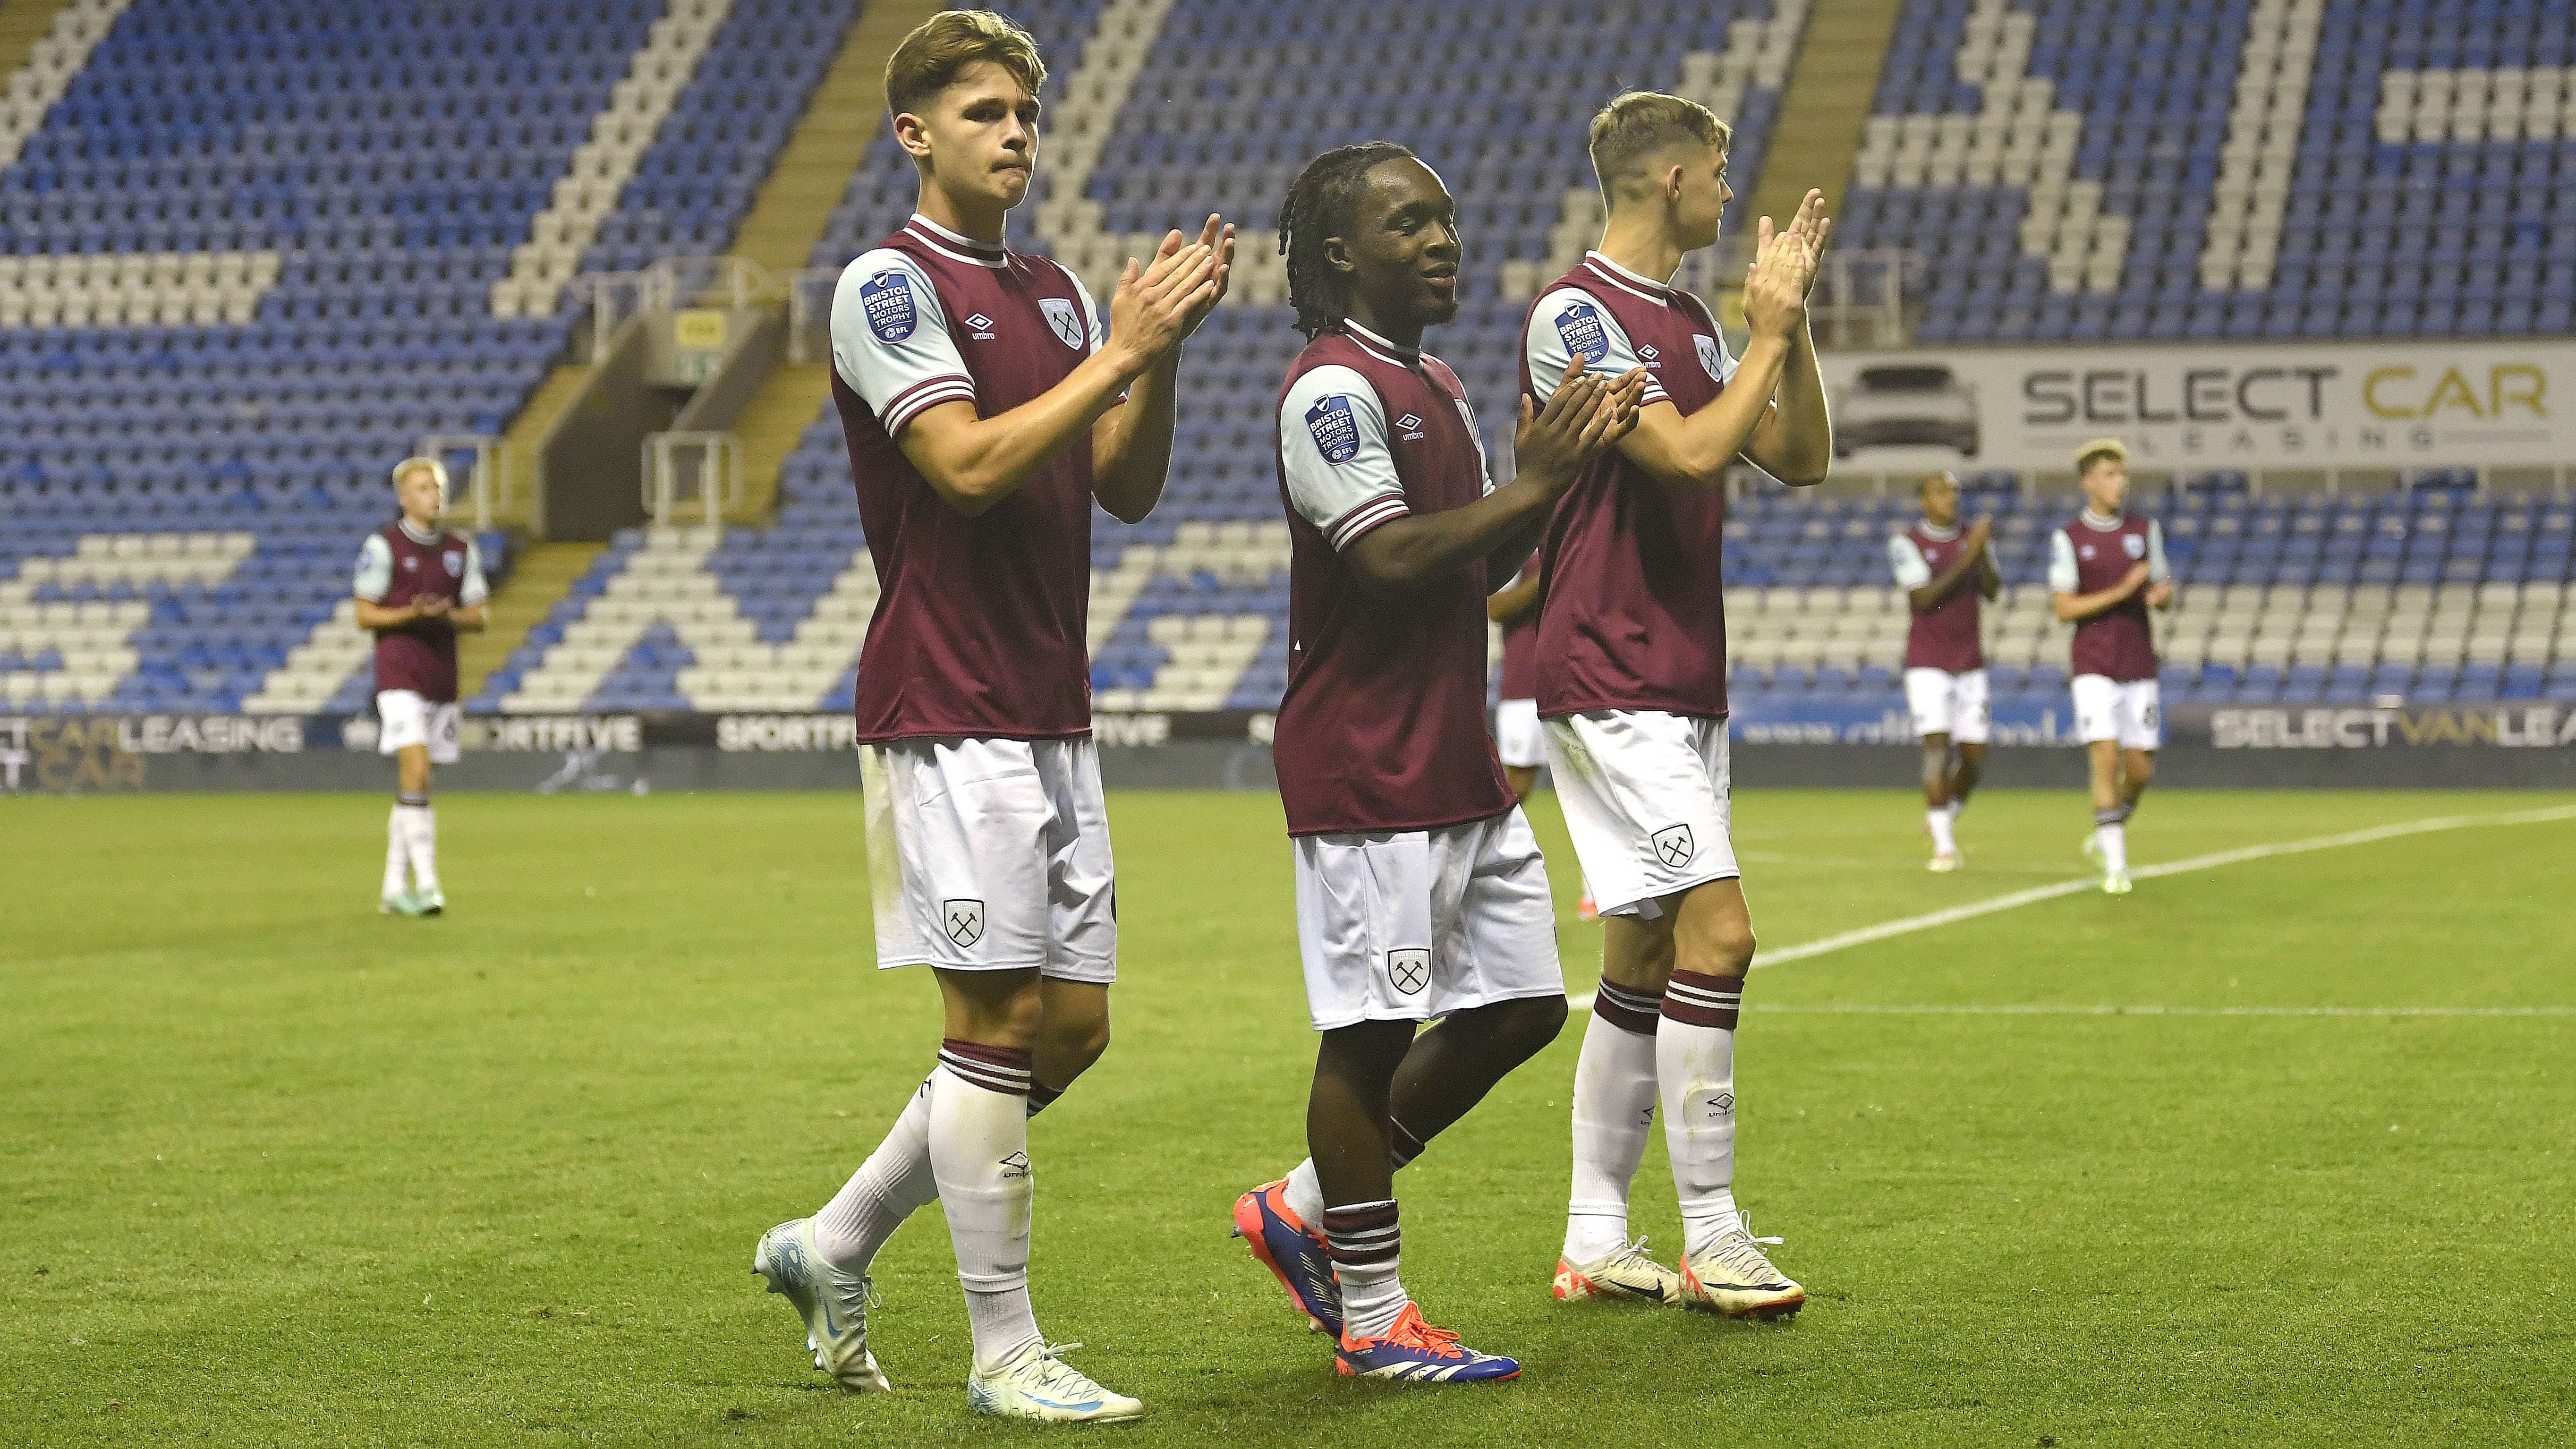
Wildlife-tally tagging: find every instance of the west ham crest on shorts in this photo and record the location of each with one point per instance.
(1708, 356)
(963, 920)
(1580, 326)
(1065, 318)
(1336, 431)
(1673, 846)
(1409, 970)
(887, 299)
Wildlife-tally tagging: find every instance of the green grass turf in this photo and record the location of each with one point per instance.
(280, 1171)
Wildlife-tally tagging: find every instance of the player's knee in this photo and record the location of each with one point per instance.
(1724, 949)
(1076, 1042)
(1528, 1025)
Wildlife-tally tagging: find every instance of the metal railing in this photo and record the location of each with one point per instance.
(809, 314)
(730, 282)
(1861, 297)
(605, 300)
(683, 467)
(488, 481)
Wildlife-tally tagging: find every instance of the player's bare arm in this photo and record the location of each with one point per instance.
(1794, 441)
(1554, 446)
(2074, 608)
(1512, 600)
(1695, 452)
(1990, 580)
(1131, 446)
(975, 462)
(1970, 562)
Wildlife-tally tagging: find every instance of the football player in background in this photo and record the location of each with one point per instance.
(418, 586)
(1946, 574)
(2106, 569)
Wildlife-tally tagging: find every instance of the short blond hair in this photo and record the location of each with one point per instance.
(437, 470)
(1639, 124)
(941, 48)
(2097, 450)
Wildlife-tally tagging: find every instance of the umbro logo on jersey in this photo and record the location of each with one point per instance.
(1673, 845)
(1647, 353)
(982, 327)
(1411, 427)
(1409, 970)
(410, 562)
(2085, 552)
(963, 920)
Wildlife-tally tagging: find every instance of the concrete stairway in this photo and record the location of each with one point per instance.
(787, 217)
(544, 573)
(1825, 108)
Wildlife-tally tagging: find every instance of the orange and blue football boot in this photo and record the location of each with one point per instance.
(1293, 1252)
(1413, 1352)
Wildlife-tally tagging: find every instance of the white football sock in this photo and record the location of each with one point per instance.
(1945, 840)
(1305, 1195)
(420, 838)
(2114, 839)
(888, 1187)
(1614, 1109)
(1366, 1245)
(979, 1152)
(1695, 1067)
(397, 853)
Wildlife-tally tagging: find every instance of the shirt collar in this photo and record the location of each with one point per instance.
(956, 244)
(418, 537)
(1940, 535)
(1389, 351)
(2096, 521)
(1619, 276)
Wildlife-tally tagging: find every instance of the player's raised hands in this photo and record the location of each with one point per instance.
(1776, 284)
(1808, 230)
(1156, 306)
(1587, 414)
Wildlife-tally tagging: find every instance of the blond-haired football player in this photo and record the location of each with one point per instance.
(1632, 684)
(418, 586)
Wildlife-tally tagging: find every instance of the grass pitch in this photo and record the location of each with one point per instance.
(283, 1172)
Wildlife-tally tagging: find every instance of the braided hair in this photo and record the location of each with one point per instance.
(1323, 202)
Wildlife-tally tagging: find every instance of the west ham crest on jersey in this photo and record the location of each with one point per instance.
(1708, 355)
(455, 561)
(1580, 326)
(1065, 318)
(887, 297)
(2134, 544)
(1335, 430)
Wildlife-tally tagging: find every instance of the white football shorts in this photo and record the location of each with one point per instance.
(1943, 703)
(2118, 709)
(991, 855)
(405, 719)
(1517, 737)
(1412, 925)
(1645, 798)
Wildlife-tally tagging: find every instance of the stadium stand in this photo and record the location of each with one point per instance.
(2194, 169)
(256, 251)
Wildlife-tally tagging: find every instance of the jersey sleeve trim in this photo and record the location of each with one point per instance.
(2063, 576)
(908, 404)
(1352, 526)
(473, 589)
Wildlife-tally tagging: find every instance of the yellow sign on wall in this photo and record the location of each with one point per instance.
(698, 329)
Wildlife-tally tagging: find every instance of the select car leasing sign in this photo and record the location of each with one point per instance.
(2395, 404)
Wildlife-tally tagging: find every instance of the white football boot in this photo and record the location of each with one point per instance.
(834, 1304)
(1625, 1274)
(1036, 1383)
(1735, 1278)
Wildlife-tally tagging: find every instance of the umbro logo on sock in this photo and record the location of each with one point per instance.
(1015, 1165)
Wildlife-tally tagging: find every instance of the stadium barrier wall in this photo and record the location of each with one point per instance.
(2509, 745)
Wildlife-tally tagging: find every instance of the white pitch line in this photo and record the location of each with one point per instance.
(1907, 925)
